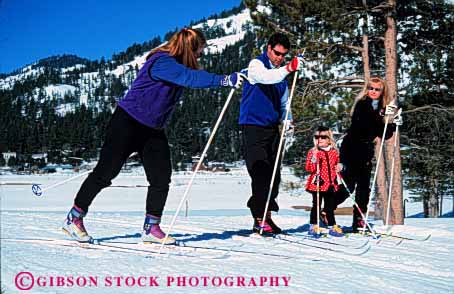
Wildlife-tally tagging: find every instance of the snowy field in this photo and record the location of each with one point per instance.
(35, 255)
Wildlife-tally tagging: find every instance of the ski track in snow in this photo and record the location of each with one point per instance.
(218, 218)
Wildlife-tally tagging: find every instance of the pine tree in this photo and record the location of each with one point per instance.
(428, 130)
(334, 29)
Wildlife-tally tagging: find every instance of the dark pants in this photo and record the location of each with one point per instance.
(357, 159)
(125, 136)
(357, 179)
(328, 197)
(260, 150)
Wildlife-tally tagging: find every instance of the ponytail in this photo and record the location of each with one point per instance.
(183, 45)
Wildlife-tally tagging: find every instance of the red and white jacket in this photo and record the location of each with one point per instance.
(327, 161)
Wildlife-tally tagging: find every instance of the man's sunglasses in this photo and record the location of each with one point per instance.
(277, 53)
(316, 137)
(375, 89)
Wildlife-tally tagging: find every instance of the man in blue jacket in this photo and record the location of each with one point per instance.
(262, 108)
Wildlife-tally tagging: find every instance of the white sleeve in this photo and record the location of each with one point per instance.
(259, 74)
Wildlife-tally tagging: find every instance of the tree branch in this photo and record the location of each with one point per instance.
(431, 106)
(340, 45)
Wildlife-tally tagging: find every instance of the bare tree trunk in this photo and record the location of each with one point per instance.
(433, 198)
(425, 203)
(441, 205)
(365, 57)
(381, 191)
(396, 213)
(365, 50)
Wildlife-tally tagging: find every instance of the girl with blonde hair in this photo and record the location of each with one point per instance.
(323, 164)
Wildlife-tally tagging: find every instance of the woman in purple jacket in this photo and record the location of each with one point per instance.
(137, 125)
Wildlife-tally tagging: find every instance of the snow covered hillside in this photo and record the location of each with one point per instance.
(233, 28)
(219, 255)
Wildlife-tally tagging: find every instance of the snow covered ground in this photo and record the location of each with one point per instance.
(218, 217)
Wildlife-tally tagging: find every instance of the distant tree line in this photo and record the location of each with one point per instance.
(29, 122)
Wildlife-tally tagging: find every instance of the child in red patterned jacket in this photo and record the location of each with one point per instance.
(323, 164)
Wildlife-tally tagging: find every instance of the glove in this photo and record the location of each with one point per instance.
(290, 127)
(289, 135)
(295, 64)
(314, 157)
(398, 120)
(390, 109)
(318, 179)
(290, 132)
(234, 80)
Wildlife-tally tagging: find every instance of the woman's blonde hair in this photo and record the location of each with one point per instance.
(384, 97)
(321, 129)
(183, 45)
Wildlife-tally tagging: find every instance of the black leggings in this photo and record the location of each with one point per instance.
(357, 160)
(260, 149)
(357, 179)
(125, 136)
(328, 197)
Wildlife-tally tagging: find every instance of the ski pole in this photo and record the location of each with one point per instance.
(205, 150)
(318, 194)
(36, 188)
(392, 170)
(289, 134)
(357, 207)
(278, 154)
(376, 168)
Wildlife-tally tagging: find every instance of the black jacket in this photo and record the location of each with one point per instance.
(367, 124)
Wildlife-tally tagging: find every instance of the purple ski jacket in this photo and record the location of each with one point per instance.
(155, 92)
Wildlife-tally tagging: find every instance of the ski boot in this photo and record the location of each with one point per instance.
(74, 225)
(266, 230)
(323, 219)
(274, 227)
(336, 231)
(359, 226)
(315, 231)
(152, 232)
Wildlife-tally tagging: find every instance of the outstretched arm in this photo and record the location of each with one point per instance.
(259, 74)
(166, 68)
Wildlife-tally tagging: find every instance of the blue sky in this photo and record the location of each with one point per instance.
(35, 29)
